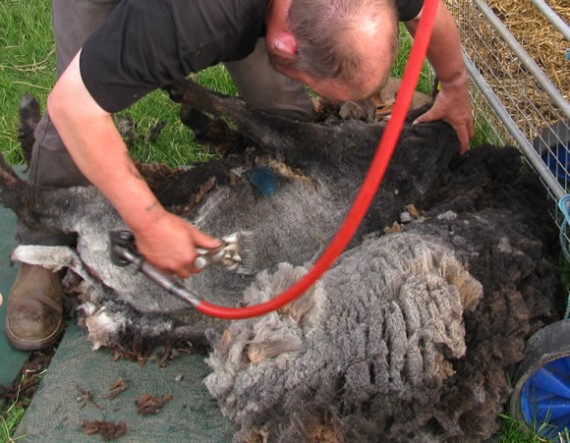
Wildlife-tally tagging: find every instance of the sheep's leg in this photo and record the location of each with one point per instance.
(17, 195)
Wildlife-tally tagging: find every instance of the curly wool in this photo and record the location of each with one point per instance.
(369, 346)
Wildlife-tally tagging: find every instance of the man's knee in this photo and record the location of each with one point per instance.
(263, 87)
(73, 22)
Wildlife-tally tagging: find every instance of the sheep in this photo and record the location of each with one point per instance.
(410, 336)
(317, 167)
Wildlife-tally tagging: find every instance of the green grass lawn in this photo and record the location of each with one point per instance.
(27, 65)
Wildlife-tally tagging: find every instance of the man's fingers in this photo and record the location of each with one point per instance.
(427, 116)
(464, 130)
(463, 136)
(204, 240)
(185, 273)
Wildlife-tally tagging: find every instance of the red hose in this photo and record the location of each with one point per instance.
(375, 174)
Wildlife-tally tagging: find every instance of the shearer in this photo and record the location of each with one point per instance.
(111, 53)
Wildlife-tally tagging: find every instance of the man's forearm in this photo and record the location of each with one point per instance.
(452, 104)
(98, 150)
(444, 51)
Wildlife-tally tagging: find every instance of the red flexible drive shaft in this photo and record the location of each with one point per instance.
(375, 174)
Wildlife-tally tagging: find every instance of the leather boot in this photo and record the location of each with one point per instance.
(34, 315)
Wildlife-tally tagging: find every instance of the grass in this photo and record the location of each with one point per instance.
(512, 431)
(10, 418)
(427, 76)
(27, 65)
(9, 421)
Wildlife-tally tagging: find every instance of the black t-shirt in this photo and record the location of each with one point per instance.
(148, 44)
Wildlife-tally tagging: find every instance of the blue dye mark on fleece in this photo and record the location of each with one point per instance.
(264, 180)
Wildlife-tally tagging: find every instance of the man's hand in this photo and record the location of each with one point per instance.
(169, 243)
(452, 104)
(454, 107)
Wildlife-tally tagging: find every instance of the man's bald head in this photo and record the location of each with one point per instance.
(350, 43)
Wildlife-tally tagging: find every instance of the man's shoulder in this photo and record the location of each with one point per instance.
(146, 45)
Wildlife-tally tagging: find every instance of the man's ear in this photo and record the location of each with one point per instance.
(284, 44)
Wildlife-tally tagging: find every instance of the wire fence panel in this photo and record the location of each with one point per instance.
(514, 100)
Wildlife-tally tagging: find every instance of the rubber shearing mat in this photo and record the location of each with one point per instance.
(11, 360)
(63, 403)
(82, 386)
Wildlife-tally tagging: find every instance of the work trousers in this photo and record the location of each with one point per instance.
(73, 21)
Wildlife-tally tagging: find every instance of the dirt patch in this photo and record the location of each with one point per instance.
(149, 404)
(26, 383)
(108, 430)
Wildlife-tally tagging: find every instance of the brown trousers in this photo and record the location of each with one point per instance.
(73, 21)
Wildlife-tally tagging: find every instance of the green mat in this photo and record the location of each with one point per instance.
(59, 409)
(11, 359)
(56, 414)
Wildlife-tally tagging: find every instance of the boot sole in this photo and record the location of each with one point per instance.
(33, 345)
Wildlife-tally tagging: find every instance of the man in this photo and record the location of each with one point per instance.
(343, 49)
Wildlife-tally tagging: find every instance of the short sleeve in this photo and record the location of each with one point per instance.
(408, 9)
(149, 44)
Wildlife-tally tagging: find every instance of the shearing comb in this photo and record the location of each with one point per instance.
(236, 253)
